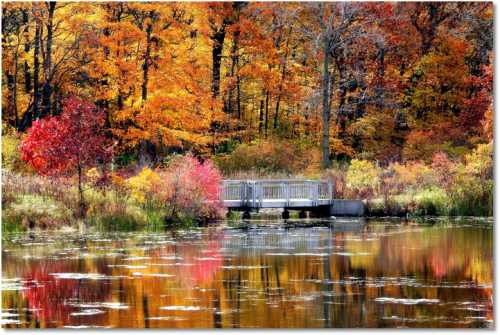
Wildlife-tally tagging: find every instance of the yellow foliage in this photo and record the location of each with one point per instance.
(142, 185)
(412, 175)
(93, 173)
(11, 156)
(480, 161)
(363, 176)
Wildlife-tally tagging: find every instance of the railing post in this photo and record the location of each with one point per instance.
(286, 185)
(261, 192)
(254, 189)
(223, 192)
(309, 189)
(330, 190)
(244, 193)
(315, 193)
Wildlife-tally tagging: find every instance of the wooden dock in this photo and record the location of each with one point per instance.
(286, 194)
(289, 194)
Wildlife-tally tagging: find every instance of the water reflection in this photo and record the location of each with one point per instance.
(375, 274)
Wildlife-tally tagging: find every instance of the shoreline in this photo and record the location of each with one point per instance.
(262, 222)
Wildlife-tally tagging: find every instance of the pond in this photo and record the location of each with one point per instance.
(343, 273)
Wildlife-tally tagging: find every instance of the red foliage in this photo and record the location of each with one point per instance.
(443, 167)
(61, 144)
(191, 186)
(480, 101)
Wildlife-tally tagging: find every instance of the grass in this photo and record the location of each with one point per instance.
(430, 202)
(31, 201)
(29, 210)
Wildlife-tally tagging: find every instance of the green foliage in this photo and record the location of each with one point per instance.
(472, 188)
(37, 211)
(117, 223)
(12, 225)
(480, 161)
(155, 219)
(125, 158)
(226, 147)
(445, 187)
(433, 201)
(233, 216)
(470, 194)
(124, 204)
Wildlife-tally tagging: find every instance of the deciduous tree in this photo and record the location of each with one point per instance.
(68, 143)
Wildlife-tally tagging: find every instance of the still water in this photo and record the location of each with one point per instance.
(361, 273)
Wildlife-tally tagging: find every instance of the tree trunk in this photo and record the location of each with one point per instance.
(12, 86)
(119, 102)
(283, 73)
(145, 65)
(238, 97)
(57, 105)
(36, 70)
(342, 84)
(144, 158)
(380, 80)
(81, 203)
(325, 144)
(218, 43)
(14, 91)
(27, 74)
(236, 60)
(266, 123)
(33, 112)
(276, 113)
(234, 69)
(261, 117)
(47, 63)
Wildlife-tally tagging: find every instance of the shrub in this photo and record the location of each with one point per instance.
(114, 222)
(480, 161)
(190, 188)
(271, 156)
(37, 211)
(187, 189)
(444, 187)
(338, 175)
(59, 189)
(443, 169)
(143, 185)
(471, 190)
(363, 177)
(432, 201)
(470, 194)
(394, 206)
(11, 156)
(412, 176)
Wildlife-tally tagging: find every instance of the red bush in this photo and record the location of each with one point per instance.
(190, 187)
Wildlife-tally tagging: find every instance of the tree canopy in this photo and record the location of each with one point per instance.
(379, 81)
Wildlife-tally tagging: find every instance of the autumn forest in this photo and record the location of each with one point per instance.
(392, 100)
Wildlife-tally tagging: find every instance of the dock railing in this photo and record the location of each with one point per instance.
(276, 193)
